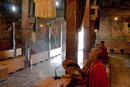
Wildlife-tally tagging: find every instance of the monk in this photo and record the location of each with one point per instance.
(94, 70)
(97, 73)
(104, 57)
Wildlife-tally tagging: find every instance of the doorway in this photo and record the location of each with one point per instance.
(80, 47)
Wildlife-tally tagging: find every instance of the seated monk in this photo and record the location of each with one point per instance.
(97, 76)
(93, 73)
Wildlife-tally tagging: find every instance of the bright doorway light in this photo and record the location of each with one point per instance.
(80, 38)
(80, 47)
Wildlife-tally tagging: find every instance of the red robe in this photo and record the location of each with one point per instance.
(104, 52)
(97, 75)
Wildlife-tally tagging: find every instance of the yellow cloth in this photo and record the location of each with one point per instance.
(45, 8)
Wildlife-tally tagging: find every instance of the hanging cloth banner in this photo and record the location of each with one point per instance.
(45, 8)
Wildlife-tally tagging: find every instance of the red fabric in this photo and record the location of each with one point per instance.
(80, 83)
(97, 75)
(104, 52)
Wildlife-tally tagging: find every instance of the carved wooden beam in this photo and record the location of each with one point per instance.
(95, 15)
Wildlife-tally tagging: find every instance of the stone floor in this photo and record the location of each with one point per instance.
(29, 77)
(120, 70)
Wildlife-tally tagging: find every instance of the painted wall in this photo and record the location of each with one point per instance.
(40, 39)
(114, 32)
(6, 35)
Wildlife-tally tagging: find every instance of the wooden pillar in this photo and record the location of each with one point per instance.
(87, 31)
(93, 34)
(25, 24)
(25, 13)
(26, 32)
(71, 34)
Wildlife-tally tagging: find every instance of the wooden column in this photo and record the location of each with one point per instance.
(25, 25)
(25, 13)
(71, 34)
(87, 31)
(93, 34)
(26, 32)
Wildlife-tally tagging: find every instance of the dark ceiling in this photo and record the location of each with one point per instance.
(6, 13)
(114, 3)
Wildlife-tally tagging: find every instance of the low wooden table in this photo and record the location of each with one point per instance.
(3, 72)
(50, 82)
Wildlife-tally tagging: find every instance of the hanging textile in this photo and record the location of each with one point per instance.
(45, 8)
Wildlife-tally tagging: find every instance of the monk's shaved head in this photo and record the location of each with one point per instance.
(95, 53)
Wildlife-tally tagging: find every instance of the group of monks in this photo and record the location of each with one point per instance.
(94, 72)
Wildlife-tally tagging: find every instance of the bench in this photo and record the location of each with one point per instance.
(6, 54)
(3, 72)
(14, 64)
(10, 53)
(38, 57)
(9, 64)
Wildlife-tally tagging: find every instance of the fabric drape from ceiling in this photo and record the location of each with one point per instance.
(45, 8)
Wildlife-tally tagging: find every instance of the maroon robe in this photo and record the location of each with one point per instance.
(97, 75)
(104, 52)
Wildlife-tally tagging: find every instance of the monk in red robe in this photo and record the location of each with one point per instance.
(93, 72)
(97, 73)
(97, 76)
(104, 57)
